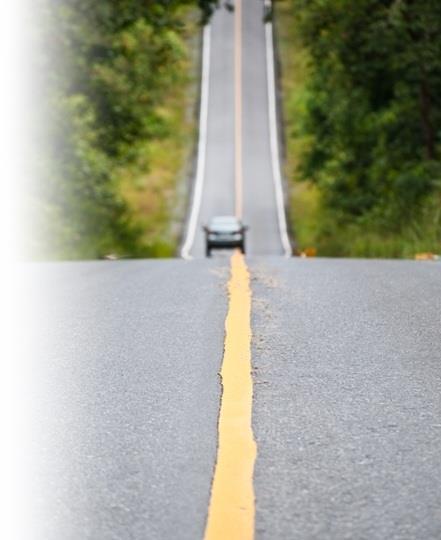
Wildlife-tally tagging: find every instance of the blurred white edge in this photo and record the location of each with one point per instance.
(13, 117)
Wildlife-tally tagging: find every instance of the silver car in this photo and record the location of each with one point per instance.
(224, 232)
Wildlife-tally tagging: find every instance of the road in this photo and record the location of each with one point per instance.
(258, 207)
(346, 410)
(345, 354)
(125, 397)
(347, 399)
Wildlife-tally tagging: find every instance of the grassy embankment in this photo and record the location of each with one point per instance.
(116, 127)
(153, 186)
(380, 233)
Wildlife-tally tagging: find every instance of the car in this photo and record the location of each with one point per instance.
(224, 232)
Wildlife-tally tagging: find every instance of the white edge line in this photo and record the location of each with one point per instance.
(274, 146)
(202, 146)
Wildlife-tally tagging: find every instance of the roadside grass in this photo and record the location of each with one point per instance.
(316, 228)
(150, 185)
(304, 197)
(312, 223)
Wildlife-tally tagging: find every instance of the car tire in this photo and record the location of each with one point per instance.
(242, 248)
(208, 252)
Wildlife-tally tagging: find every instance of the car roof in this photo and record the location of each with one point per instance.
(218, 220)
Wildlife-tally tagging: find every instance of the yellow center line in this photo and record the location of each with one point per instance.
(231, 510)
(238, 106)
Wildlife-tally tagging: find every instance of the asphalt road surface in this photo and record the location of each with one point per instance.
(346, 362)
(347, 384)
(347, 399)
(125, 397)
(218, 197)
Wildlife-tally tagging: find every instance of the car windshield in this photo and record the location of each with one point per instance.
(225, 224)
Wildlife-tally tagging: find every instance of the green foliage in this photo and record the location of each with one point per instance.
(105, 72)
(368, 115)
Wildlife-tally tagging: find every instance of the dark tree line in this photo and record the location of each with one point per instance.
(372, 107)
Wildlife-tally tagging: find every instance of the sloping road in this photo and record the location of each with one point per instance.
(225, 87)
(346, 367)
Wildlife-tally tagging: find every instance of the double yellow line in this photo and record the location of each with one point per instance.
(231, 511)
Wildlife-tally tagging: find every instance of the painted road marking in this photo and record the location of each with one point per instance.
(231, 511)
(238, 170)
(274, 144)
(202, 146)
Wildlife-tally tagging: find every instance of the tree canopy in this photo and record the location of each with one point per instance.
(372, 107)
